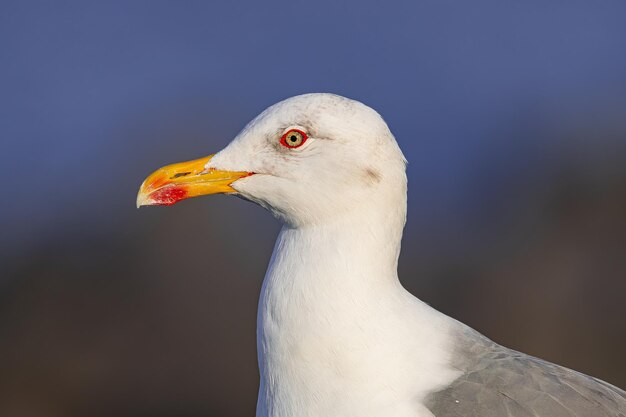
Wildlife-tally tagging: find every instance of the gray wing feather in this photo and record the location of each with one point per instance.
(499, 382)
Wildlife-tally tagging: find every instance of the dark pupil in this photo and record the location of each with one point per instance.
(293, 138)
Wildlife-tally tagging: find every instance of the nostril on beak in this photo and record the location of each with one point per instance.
(180, 174)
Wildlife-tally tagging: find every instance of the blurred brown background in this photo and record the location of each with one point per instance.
(512, 116)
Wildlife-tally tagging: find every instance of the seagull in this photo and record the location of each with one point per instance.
(337, 334)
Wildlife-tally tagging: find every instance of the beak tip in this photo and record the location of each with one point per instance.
(142, 199)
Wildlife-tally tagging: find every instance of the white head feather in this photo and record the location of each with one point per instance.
(350, 159)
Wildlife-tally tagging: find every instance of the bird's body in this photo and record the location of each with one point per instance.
(337, 334)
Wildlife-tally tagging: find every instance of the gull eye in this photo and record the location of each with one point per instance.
(294, 138)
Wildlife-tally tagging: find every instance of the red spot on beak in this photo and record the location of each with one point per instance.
(168, 195)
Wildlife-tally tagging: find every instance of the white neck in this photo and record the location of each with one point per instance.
(337, 334)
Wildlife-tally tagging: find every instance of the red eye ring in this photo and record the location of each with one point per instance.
(294, 138)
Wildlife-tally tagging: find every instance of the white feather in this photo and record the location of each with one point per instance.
(337, 334)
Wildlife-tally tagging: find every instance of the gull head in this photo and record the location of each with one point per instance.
(307, 159)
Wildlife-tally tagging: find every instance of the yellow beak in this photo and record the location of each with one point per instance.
(172, 183)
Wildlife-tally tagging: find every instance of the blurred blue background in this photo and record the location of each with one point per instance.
(512, 116)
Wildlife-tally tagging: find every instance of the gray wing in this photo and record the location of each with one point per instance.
(499, 382)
